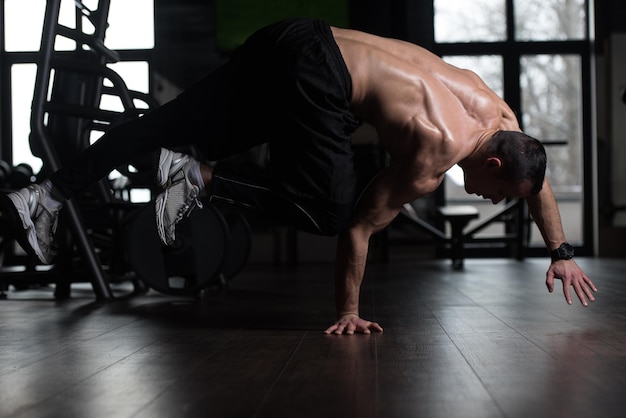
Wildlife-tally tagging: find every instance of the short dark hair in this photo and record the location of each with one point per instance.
(523, 157)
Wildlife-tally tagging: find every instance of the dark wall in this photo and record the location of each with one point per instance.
(186, 41)
(610, 18)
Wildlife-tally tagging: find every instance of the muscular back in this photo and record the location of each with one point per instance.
(424, 109)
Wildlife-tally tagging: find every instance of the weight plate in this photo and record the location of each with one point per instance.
(238, 239)
(190, 263)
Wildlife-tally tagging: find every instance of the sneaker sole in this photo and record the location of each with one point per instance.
(21, 233)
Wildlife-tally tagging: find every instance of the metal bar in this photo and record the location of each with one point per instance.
(487, 221)
(411, 215)
(38, 133)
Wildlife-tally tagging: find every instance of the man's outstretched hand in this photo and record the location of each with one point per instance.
(351, 323)
(572, 276)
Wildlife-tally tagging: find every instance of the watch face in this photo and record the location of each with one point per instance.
(565, 252)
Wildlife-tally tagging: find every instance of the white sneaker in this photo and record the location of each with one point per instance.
(180, 196)
(38, 223)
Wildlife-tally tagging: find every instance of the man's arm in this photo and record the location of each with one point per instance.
(545, 212)
(350, 261)
(379, 205)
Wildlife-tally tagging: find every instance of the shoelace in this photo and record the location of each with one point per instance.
(189, 205)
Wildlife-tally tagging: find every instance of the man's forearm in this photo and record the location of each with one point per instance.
(352, 248)
(545, 212)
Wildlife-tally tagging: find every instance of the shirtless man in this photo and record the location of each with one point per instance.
(321, 82)
(429, 115)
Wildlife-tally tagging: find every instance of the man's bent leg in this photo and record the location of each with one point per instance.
(166, 126)
(34, 209)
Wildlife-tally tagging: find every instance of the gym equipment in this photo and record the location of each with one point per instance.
(15, 177)
(211, 246)
(238, 242)
(66, 109)
(21, 176)
(458, 216)
(5, 171)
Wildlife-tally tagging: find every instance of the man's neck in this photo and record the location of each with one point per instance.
(478, 152)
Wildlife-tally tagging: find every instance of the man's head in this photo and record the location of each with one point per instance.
(511, 164)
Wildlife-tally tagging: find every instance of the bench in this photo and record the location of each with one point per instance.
(458, 216)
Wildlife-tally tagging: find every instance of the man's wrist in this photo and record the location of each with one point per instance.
(347, 313)
(564, 252)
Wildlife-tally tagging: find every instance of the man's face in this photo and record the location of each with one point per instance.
(488, 185)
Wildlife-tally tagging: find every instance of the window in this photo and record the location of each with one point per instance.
(541, 20)
(470, 21)
(535, 54)
(551, 109)
(22, 85)
(24, 22)
(488, 67)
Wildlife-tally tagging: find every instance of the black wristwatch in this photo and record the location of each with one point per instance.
(564, 252)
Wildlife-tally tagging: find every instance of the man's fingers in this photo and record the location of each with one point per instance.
(339, 329)
(353, 327)
(571, 276)
(550, 281)
(579, 292)
(335, 329)
(375, 326)
(567, 292)
(582, 291)
(330, 329)
(588, 292)
(590, 283)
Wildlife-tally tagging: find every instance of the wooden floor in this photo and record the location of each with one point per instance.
(487, 342)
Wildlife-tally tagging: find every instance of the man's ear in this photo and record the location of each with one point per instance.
(493, 163)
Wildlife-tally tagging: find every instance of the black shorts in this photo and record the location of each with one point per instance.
(287, 86)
